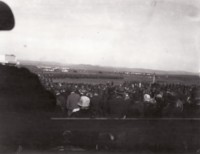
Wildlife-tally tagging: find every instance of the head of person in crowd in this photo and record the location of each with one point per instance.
(89, 94)
(96, 92)
(57, 92)
(159, 96)
(147, 91)
(75, 90)
(84, 99)
(84, 104)
(82, 92)
(119, 92)
(140, 85)
(82, 111)
(147, 98)
(171, 97)
(126, 96)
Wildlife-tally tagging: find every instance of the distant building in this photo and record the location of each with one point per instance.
(65, 70)
(9, 59)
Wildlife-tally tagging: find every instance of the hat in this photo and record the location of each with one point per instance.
(126, 96)
(119, 91)
(82, 91)
(147, 98)
(159, 96)
(57, 93)
(84, 102)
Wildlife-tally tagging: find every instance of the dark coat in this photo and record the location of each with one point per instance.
(60, 102)
(117, 107)
(72, 101)
(82, 113)
(96, 105)
(135, 109)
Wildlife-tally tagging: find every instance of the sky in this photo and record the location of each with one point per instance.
(151, 34)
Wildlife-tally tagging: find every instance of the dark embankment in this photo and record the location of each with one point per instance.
(25, 108)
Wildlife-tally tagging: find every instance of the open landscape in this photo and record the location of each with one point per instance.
(101, 75)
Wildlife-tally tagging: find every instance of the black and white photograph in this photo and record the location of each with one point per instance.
(99, 76)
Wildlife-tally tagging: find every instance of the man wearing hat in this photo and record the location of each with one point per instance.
(96, 104)
(149, 105)
(118, 105)
(83, 107)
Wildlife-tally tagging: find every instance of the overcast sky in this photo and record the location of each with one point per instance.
(154, 34)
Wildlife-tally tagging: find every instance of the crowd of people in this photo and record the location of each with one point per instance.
(33, 104)
(127, 100)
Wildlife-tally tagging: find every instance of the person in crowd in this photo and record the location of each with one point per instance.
(159, 104)
(82, 111)
(192, 108)
(135, 105)
(96, 104)
(118, 105)
(174, 106)
(72, 101)
(88, 139)
(149, 106)
(60, 102)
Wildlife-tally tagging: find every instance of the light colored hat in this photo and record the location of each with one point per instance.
(147, 98)
(84, 102)
(159, 96)
(126, 96)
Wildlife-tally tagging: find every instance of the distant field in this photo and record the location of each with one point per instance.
(176, 79)
(101, 77)
(89, 81)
